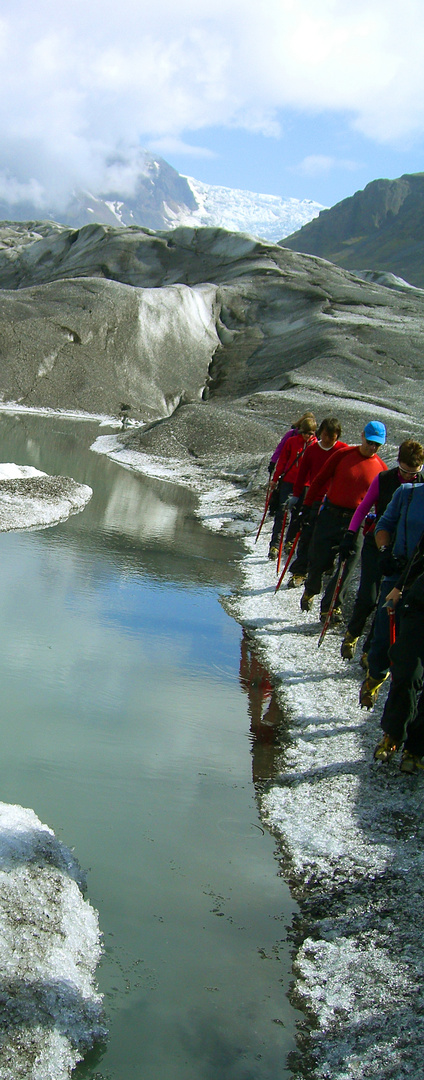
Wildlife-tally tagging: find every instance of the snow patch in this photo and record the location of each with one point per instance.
(51, 1012)
(30, 499)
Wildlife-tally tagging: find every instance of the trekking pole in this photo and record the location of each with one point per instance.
(268, 496)
(280, 546)
(333, 602)
(392, 625)
(288, 561)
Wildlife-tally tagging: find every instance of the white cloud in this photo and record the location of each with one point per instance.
(169, 145)
(320, 164)
(81, 80)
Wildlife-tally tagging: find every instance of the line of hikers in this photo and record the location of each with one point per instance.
(346, 505)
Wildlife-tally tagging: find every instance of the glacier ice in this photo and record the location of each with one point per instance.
(50, 1010)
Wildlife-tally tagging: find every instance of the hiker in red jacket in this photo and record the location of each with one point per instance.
(315, 456)
(286, 472)
(346, 478)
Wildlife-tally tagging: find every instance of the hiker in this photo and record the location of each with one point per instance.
(408, 470)
(397, 534)
(288, 435)
(403, 717)
(345, 477)
(328, 440)
(286, 472)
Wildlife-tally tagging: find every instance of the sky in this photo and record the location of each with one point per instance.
(302, 98)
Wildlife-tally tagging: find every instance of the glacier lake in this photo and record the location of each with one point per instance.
(133, 726)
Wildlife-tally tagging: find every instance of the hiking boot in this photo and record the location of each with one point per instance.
(336, 616)
(288, 546)
(364, 661)
(296, 580)
(306, 602)
(369, 691)
(410, 763)
(273, 552)
(348, 646)
(385, 749)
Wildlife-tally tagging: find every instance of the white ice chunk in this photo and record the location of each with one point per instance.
(50, 1010)
(30, 499)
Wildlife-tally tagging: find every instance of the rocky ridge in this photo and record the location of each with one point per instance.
(380, 228)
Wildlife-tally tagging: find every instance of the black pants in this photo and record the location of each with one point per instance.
(300, 563)
(369, 585)
(403, 716)
(285, 489)
(330, 528)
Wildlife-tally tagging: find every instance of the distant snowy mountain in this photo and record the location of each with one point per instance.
(267, 216)
(162, 199)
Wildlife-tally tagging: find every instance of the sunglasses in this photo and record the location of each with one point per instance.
(410, 472)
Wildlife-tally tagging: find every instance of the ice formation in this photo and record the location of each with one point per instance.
(50, 1011)
(30, 499)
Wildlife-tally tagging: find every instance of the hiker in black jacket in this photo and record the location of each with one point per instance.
(403, 717)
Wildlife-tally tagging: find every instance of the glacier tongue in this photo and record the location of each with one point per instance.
(269, 217)
(49, 948)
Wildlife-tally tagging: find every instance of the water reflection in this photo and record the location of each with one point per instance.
(126, 731)
(267, 719)
(140, 517)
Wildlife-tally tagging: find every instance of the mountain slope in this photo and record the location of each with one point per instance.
(380, 228)
(162, 199)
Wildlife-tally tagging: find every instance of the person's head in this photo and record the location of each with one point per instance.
(411, 459)
(329, 431)
(373, 436)
(305, 416)
(307, 427)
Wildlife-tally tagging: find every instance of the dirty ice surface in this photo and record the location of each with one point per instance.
(30, 499)
(50, 1012)
(350, 831)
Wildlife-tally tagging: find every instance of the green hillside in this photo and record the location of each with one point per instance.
(380, 228)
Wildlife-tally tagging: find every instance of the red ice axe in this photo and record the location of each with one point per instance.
(268, 496)
(392, 625)
(280, 546)
(333, 602)
(288, 560)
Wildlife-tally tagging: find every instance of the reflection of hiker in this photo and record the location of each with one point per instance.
(403, 717)
(346, 478)
(315, 456)
(379, 494)
(286, 472)
(254, 680)
(397, 534)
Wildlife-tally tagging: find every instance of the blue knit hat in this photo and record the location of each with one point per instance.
(375, 431)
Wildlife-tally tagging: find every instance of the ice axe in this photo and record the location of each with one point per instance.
(268, 496)
(288, 561)
(280, 546)
(333, 602)
(392, 625)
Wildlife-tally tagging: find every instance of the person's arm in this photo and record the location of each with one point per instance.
(387, 523)
(364, 507)
(302, 476)
(278, 449)
(281, 464)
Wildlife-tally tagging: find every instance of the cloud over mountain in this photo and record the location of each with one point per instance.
(80, 83)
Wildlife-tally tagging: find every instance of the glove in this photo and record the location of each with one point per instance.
(389, 564)
(271, 467)
(348, 544)
(304, 518)
(291, 501)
